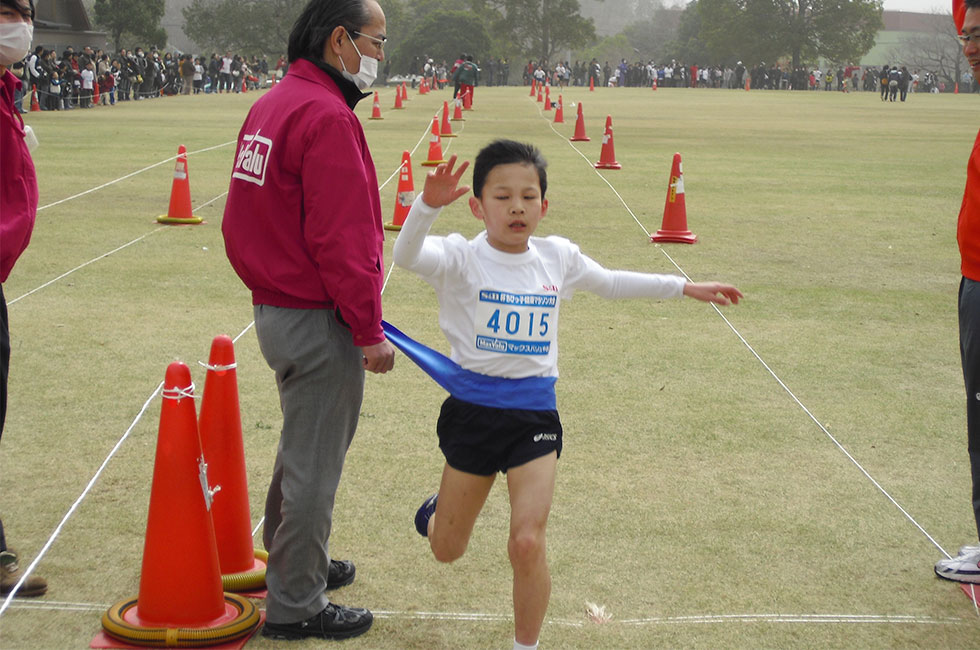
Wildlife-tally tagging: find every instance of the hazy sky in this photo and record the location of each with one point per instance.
(922, 6)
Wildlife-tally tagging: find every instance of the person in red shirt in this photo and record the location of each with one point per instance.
(303, 230)
(965, 567)
(18, 208)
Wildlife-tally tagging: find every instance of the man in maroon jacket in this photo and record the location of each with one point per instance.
(303, 230)
(965, 567)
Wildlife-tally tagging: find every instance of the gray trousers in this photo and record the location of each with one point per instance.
(320, 377)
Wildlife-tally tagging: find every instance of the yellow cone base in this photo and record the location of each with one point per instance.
(432, 163)
(192, 221)
(392, 226)
(121, 622)
(247, 580)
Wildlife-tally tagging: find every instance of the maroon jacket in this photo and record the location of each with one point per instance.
(302, 222)
(18, 181)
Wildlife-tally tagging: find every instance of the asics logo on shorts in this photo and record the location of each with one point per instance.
(550, 437)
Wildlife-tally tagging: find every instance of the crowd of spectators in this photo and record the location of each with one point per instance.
(80, 79)
(761, 76)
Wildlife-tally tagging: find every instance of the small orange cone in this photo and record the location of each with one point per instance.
(398, 97)
(404, 92)
(607, 157)
(534, 87)
(180, 194)
(244, 86)
(458, 110)
(674, 227)
(405, 195)
(435, 146)
(956, 88)
(468, 99)
(560, 112)
(748, 83)
(591, 84)
(541, 93)
(35, 106)
(376, 109)
(654, 87)
(547, 98)
(95, 93)
(446, 129)
(180, 599)
(423, 87)
(220, 424)
(580, 127)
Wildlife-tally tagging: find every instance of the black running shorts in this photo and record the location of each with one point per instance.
(484, 440)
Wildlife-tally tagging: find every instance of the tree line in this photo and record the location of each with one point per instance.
(708, 32)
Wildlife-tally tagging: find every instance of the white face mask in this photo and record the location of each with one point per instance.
(368, 71)
(15, 42)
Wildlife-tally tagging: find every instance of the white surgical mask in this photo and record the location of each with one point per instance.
(368, 71)
(15, 42)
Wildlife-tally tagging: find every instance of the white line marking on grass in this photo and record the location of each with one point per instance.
(85, 492)
(694, 619)
(78, 501)
(769, 369)
(104, 255)
(130, 175)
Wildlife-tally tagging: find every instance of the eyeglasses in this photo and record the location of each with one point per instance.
(379, 41)
(969, 38)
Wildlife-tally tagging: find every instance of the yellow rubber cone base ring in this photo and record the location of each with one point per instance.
(245, 621)
(392, 226)
(247, 580)
(177, 220)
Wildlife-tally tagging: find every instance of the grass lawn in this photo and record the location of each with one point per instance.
(777, 474)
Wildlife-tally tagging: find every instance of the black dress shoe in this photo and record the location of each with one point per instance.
(340, 574)
(334, 622)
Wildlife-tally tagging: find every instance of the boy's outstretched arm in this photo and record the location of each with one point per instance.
(716, 292)
(442, 184)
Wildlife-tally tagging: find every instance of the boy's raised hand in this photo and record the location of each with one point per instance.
(716, 292)
(441, 184)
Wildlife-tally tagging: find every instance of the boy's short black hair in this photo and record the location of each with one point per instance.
(972, 4)
(320, 17)
(506, 152)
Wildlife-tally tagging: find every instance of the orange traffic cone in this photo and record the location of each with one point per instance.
(674, 227)
(180, 600)
(435, 146)
(244, 86)
(580, 127)
(220, 423)
(446, 129)
(180, 194)
(404, 92)
(654, 87)
(95, 93)
(534, 87)
(35, 106)
(748, 83)
(956, 88)
(398, 97)
(547, 98)
(468, 99)
(458, 110)
(607, 157)
(405, 195)
(591, 84)
(560, 112)
(541, 93)
(376, 109)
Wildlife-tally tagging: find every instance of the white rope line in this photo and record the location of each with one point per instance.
(104, 255)
(130, 175)
(773, 373)
(693, 619)
(88, 488)
(57, 531)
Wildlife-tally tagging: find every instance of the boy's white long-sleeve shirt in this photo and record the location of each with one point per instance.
(499, 310)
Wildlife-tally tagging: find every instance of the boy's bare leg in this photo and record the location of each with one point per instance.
(532, 487)
(461, 498)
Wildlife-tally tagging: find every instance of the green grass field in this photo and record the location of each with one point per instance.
(718, 482)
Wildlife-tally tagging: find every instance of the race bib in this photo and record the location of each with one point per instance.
(516, 323)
